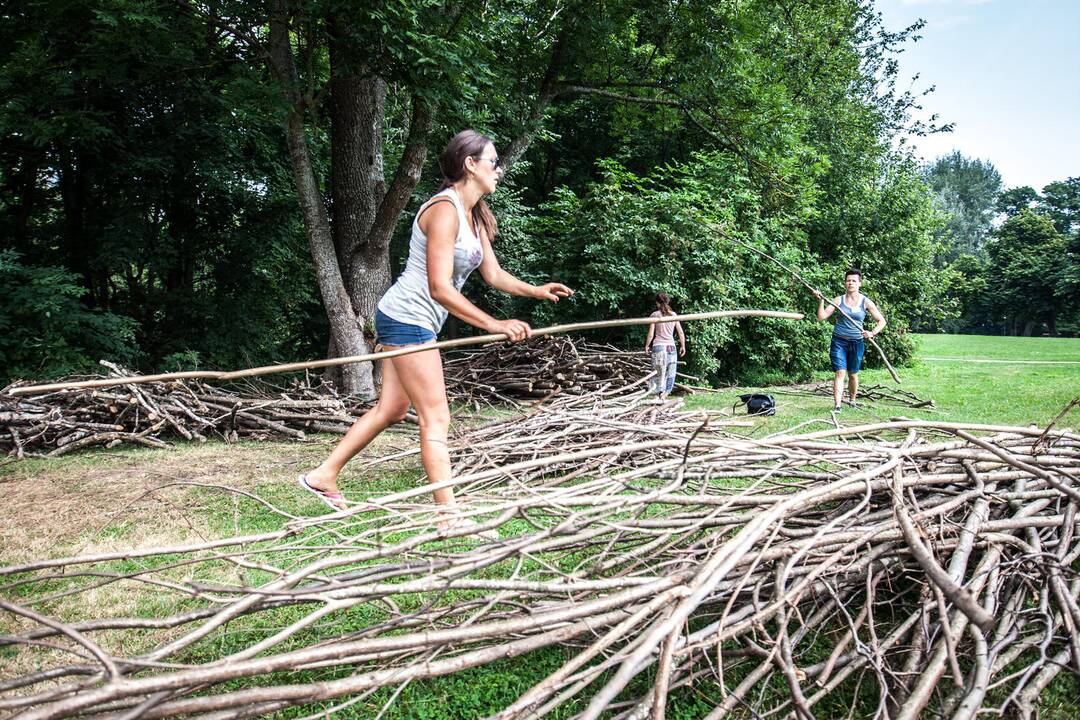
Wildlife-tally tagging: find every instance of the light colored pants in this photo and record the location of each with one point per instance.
(665, 361)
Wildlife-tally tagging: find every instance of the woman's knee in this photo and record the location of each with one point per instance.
(434, 420)
(391, 413)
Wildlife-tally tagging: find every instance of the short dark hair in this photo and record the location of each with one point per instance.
(853, 271)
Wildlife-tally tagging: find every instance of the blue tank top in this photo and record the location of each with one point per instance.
(846, 329)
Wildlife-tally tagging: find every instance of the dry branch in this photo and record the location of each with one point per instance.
(638, 538)
(24, 389)
(57, 423)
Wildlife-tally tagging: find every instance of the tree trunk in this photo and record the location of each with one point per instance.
(357, 108)
(545, 95)
(22, 187)
(345, 330)
(79, 244)
(364, 209)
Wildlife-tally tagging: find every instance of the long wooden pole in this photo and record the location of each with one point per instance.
(825, 297)
(331, 362)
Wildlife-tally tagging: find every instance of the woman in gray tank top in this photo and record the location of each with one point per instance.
(451, 236)
(849, 334)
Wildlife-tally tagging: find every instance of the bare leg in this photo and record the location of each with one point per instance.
(853, 386)
(391, 408)
(838, 388)
(421, 377)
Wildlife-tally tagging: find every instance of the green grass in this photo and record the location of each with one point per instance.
(992, 393)
(983, 347)
(963, 391)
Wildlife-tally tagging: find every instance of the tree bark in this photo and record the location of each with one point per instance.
(357, 108)
(345, 328)
(364, 209)
(547, 93)
(368, 274)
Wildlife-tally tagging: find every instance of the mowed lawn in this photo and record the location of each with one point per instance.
(979, 379)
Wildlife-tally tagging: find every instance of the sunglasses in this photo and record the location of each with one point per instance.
(496, 163)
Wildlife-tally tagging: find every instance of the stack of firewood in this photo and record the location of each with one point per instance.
(539, 367)
(64, 421)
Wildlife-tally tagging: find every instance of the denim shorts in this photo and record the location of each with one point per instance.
(389, 331)
(846, 354)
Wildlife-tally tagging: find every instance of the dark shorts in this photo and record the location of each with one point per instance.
(846, 354)
(389, 331)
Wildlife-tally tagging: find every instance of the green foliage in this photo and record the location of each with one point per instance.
(1025, 265)
(1061, 203)
(966, 191)
(1014, 200)
(627, 237)
(144, 159)
(1030, 282)
(1068, 282)
(46, 331)
(966, 283)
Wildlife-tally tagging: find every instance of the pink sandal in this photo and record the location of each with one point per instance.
(333, 500)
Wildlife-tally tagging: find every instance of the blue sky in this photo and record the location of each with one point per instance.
(1007, 73)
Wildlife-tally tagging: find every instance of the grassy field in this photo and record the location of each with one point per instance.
(1031, 381)
(110, 500)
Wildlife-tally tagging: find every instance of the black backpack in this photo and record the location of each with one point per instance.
(758, 404)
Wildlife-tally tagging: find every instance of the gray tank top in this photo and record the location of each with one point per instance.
(409, 300)
(844, 328)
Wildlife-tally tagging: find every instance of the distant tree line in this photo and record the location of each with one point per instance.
(225, 184)
(1010, 258)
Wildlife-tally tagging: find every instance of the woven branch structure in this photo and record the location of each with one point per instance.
(885, 570)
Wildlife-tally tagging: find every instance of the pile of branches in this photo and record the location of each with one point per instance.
(882, 570)
(868, 393)
(152, 414)
(539, 367)
(64, 421)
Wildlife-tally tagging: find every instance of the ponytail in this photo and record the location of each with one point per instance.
(484, 218)
(663, 300)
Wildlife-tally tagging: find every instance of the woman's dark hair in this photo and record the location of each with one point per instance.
(664, 301)
(466, 144)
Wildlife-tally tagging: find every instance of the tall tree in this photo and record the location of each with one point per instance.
(349, 63)
(139, 156)
(1014, 200)
(1061, 203)
(1025, 263)
(966, 191)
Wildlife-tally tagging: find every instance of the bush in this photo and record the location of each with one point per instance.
(627, 237)
(46, 331)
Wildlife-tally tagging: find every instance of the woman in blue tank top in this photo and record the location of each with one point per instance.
(849, 334)
(452, 236)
